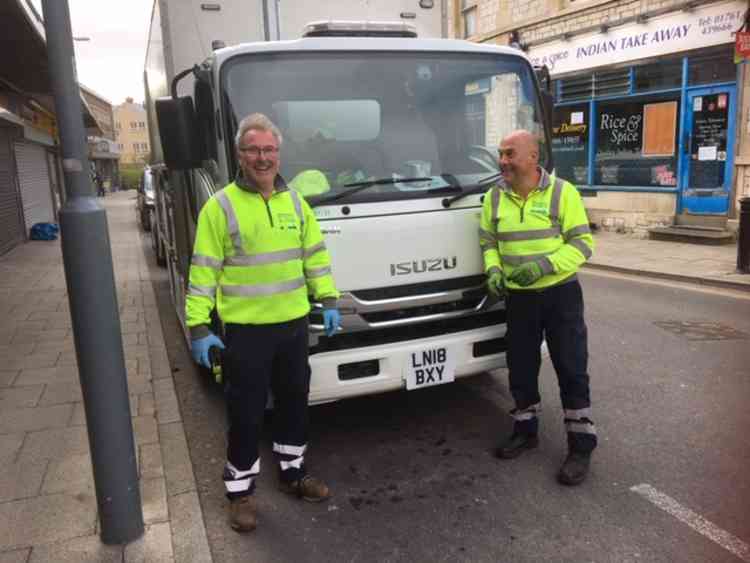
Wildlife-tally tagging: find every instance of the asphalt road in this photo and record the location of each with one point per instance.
(414, 479)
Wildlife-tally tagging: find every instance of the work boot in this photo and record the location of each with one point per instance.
(574, 469)
(308, 488)
(516, 445)
(242, 514)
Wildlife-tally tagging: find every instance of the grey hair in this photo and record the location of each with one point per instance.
(257, 122)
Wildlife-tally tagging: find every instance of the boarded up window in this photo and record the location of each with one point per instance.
(659, 129)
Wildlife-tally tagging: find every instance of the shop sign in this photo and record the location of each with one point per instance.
(706, 26)
(742, 47)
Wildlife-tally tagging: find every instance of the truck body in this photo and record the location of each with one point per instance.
(399, 134)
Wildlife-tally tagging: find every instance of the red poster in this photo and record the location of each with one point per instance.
(742, 46)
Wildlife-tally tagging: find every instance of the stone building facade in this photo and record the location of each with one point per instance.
(663, 66)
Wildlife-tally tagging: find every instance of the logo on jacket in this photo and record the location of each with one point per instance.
(422, 266)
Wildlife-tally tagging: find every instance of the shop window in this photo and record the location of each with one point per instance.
(595, 84)
(570, 137)
(715, 66)
(634, 147)
(659, 76)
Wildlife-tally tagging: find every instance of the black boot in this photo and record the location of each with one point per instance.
(574, 469)
(516, 445)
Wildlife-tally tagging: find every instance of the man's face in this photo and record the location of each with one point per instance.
(259, 157)
(517, 159)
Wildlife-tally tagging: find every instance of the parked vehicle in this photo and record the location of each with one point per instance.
(368, 107)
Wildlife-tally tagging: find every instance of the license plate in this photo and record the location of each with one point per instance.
(430, 366)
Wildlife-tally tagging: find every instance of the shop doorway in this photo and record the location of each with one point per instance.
(708, 150)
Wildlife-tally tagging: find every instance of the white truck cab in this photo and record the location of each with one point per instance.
(392, 140)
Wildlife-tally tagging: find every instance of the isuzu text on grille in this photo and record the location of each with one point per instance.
(421, 266)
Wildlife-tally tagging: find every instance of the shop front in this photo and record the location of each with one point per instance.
(646, 115)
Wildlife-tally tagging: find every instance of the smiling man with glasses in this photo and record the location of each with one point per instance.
(258, 253)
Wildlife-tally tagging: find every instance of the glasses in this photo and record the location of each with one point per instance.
(257, 151)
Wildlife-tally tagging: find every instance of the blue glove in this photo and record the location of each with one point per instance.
(199, 349)
(331, 321)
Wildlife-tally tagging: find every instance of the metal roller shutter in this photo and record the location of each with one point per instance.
(33, 177)
(11, 219)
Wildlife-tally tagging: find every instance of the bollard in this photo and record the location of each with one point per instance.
(743, 243)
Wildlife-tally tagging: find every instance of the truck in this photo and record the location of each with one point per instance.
(398, 126)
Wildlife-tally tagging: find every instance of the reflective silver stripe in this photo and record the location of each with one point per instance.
(582, 246)
(232, 225)
(317, 272)
(298, 209)
(554, 206)
(486, 235)
(530, 235)
(529, 413)
(495, 200)
(260, 290)
(578, 413)
(207, 261)
(237, 474)
(517, 260)
(289, 450)
(308, 252)
(202, 290)
(581, 427)
(264, 258)
(296, 463)
(576, 231)
(238, 485)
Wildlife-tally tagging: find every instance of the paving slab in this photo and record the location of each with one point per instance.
(10, 445)
(54, 444)
(154, 500)
(16, 556)
(88, 549)
(188, 530)
(151, 465)
(59, 393)
(72, 474)
(154, 547)
(20, 397)
(20, 480)
(31, 419)
(46, 519)
(176, 459)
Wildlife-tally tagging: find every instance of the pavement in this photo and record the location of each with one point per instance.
(48, 509)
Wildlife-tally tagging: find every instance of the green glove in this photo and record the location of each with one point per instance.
(526, 274)
(496, 283)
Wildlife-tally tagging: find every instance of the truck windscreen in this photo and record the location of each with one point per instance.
(347, 118)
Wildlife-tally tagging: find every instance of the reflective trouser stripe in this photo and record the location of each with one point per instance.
(295, 455)
(237, 481)
(578, 413)
(289, 450)
(529, 413)
(207, 261)
(581, 427)
(262, 289)
(529, 235)
(202, 290)
(263, 258)
(296, 463)
(232, 224)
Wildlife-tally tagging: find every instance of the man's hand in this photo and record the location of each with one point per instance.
(526, 274)
(199, 349)
(496, 283)
(331, 321)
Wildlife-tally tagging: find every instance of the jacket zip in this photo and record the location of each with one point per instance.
(268, 209)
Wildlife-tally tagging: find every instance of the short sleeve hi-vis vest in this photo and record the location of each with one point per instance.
(550, 227)
(256, 260)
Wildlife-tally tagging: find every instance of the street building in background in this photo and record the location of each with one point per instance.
(31, 180)
(650, 115)
(131, 132)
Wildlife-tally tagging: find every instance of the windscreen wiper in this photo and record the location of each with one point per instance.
(361, 186)
(473, 189)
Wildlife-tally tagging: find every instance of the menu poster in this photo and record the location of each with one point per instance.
(570, 135)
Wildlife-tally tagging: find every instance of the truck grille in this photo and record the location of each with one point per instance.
(395, 292)
(465, 304)
(409, 332)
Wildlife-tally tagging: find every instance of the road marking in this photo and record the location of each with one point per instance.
(726, 540)
(671, 284)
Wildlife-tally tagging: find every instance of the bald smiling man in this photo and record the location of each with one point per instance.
(535, 235)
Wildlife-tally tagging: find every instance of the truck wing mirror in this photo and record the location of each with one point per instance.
(178, 130)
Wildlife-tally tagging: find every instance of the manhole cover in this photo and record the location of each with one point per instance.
(702, 330)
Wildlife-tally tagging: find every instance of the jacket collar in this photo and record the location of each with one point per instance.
(545, 181)
(279, 183)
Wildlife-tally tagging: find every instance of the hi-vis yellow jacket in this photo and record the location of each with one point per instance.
(256, 260)
(550, 227)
